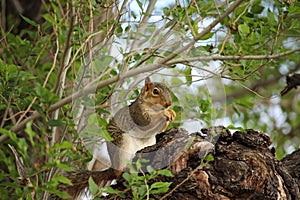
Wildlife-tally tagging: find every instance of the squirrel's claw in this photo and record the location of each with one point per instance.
(170, 114)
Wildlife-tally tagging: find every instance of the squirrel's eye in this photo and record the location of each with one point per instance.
(155, 91)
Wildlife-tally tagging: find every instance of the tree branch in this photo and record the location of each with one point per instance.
(244, 166)
(245, 57)
(35, 115)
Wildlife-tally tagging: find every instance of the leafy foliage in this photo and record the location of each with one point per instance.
(69, 47)
(142, 185)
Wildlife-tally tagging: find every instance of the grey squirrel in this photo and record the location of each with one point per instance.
(132, 128)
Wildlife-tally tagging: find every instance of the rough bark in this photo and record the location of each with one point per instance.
(244, 166)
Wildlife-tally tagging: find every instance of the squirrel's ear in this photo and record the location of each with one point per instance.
(147, 84)
(147, 80)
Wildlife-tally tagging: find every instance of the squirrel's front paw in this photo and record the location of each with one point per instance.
(170, 114)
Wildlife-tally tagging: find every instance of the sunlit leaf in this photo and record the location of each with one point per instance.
(159, 187)
(93, 187)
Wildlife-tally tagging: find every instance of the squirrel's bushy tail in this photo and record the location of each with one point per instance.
(80, 179)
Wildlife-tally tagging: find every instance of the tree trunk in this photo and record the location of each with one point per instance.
(242, 166)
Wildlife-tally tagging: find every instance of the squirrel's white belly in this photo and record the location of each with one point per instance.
(131, 145)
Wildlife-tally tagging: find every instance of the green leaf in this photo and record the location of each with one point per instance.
(127, 177)
(207, 36)
(97, 127)
(54, 122)
(111, 190)
(142, 191)
(243, 29)
(30, 132)
(165, 172)
(176, 81)
(188, 75)
(29, 21)
(280, 152)
(49, 18)
(204, 105)
(63, 179)
(64, 167)
(62, 195)
(93, 187)
(247, 103)
(294, 10)
(257, 9)
(236, 110)
(209, 158)
(140, 4)
(127, 28)
(119, 29)
(63, 145)
(150, 169)
(231, 126)
(159, 187)
(10, 134)
(166, 11)
(46, 95)
(39, 109)
(195, 28)
(133, 15)
(138, 165)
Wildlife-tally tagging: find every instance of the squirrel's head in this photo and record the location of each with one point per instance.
(156, 95)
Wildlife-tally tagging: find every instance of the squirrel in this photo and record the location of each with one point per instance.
(132, 128)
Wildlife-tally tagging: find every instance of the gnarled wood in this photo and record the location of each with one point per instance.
(244, 166)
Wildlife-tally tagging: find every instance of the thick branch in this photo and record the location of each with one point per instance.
(245, 57)
(244, 166)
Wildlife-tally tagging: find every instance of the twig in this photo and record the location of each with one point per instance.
(22, 171)
(228, 34)
(251, 90)
(279, 26)
(242, 13)
(3, 16)
(65, 51)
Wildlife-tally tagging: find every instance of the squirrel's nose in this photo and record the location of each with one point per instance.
(167, 104)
